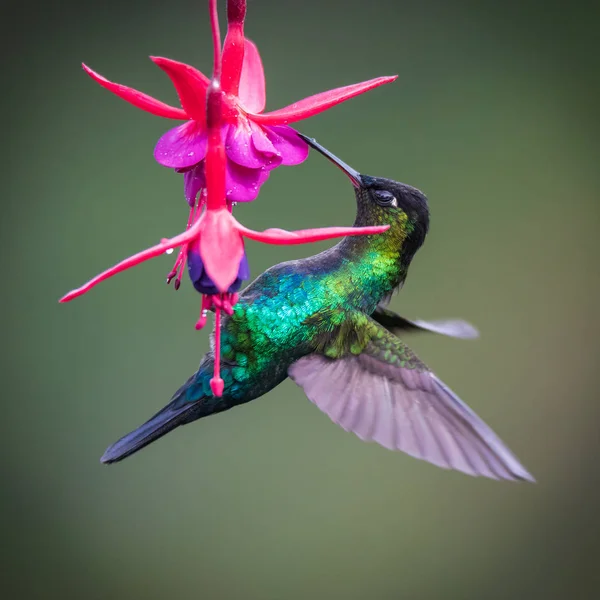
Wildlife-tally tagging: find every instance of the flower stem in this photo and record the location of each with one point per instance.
(216, 36)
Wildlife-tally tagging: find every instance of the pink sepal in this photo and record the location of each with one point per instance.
(252, 93)
(190, 84)
(313, 105)
(303, 236)
(136, 259)
(221, 247)
(138, 99)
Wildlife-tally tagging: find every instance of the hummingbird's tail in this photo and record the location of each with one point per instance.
(179, 411)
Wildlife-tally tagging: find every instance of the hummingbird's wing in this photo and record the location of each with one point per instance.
(387, 395)
(393, 322)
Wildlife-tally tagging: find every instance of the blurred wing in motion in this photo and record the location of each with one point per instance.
(387, 395)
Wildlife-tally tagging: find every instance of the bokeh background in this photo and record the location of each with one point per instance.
(494, 116)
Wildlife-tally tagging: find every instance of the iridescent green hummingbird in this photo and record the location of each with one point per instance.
(322, 321)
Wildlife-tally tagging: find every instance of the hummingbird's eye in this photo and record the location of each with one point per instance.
(385, 198)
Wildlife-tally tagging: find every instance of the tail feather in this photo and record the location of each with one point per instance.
(180, 410)
(190, 402)
(170, 417)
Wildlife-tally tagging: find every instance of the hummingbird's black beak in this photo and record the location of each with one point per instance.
(355, 176)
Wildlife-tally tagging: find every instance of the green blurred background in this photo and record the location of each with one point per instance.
(494, 116)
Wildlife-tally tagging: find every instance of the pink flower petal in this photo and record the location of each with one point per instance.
(292, 148)
(241, 148)
(313, 105)
(221, 247)
(181, 147)
(304, 236)
(190, 84)
(138, 99)
(252, 93)
(243, 184)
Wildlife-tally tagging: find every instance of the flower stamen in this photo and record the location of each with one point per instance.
(179, 265)
(229, 301)
(205, 306)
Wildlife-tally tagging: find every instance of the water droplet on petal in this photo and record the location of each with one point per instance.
(169, 251)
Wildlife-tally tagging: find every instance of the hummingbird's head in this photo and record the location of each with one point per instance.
(385, 201)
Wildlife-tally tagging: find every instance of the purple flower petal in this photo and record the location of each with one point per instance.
(241, 149)
(262, 143)
(292, 148)
(244, 271)
(193, 182)
(181, 147)
(243, 184)
(202, 281)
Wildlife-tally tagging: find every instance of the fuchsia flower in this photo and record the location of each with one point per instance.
(255, 142)
(226, 150)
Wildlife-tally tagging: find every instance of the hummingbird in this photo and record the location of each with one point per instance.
(323, 321)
